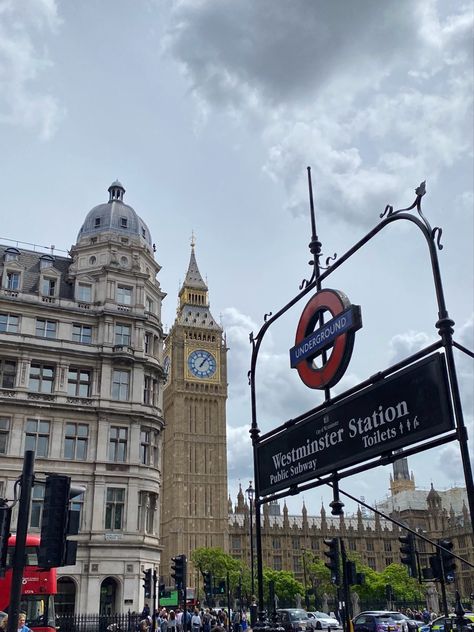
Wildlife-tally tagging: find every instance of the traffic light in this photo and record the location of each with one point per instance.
(221, 588)
(333, 555)
(147, 583)
(408, 553)
(351, 572)
(448, 562)
(179, 571)
(5, 519)
(435, 568)
(58, 522)
(207, 576)
(161, 589)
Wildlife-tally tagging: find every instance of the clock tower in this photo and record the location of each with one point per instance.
(194, 498)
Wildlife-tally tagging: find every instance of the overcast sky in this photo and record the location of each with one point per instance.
(209, 111)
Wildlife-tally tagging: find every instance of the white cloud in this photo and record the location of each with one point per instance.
(23, 64)
(373, 98)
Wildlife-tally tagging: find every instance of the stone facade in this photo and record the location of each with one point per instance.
(81, 384)
(286, 537)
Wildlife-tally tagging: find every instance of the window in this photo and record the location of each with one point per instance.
(277, 564)
(84, 292)
(46, 328)
(82, 333)
(97, 222)
(114, 508)
(12, 254)
(79, 382)
(123, 222)
(37, 499)
(46, 261)
(77, 504)
(118, 444)
(147, 503)
(149, 447)
(124, 295)
(9, 323)
(276, 543)
(387, 545)
(297, 565)
(4, 434)
(148, 343)
(120, 385)
(48, 286)
(370, 545)
(123, 334)
(149, 305)
(352, 545)
(314, 544)
(150, 391)
(13, 280)
(41, 378)
(295, 543)
(76, 441)
(7, 373)
(236, 543)
(371, 563)
(37, 436)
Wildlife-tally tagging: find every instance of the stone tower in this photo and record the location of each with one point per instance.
(194, 510)
(401, 480)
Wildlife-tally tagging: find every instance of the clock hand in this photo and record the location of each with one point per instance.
(204, 359)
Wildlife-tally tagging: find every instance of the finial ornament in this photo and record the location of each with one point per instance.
(193, 239)
(436, 232)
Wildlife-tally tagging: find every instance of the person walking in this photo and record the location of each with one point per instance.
(196, 622)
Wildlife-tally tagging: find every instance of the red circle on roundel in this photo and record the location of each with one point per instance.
(335, 302)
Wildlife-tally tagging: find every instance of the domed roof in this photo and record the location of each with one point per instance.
(114, 216)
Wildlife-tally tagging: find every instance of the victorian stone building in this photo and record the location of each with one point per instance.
(286, 537)
(81, 376)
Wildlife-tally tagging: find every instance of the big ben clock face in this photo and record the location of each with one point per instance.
(201, 363)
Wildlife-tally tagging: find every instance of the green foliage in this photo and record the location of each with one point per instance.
(286, 586)
(221, 565)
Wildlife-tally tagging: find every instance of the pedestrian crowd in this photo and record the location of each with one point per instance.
(204, 620)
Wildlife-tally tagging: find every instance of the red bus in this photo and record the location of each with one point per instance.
(38, 589)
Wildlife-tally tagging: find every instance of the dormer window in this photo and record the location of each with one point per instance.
(46, 261)
(48, 286)
(123, 222)
(13, 280)
(97, 222)
(12, 254)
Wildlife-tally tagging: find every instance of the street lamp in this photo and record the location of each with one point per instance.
(250, 494)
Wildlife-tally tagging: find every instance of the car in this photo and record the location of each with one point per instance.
(375, 622)
(293, 619)
(439, 624)
(323, 621)
(405, 623)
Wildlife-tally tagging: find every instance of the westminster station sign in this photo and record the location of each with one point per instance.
(400, 410)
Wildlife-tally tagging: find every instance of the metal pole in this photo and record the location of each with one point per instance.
(153, 624)
(252, 576)
(27, 480)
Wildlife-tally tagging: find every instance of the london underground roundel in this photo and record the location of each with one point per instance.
(316, 334)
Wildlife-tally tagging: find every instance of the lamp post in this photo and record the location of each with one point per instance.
(250, 494)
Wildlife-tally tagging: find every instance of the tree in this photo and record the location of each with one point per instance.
(221, 564)
(286, 586)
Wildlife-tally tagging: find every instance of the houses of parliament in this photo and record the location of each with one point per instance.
(91, 382)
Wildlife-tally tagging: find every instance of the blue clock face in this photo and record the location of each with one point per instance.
(202, 363)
